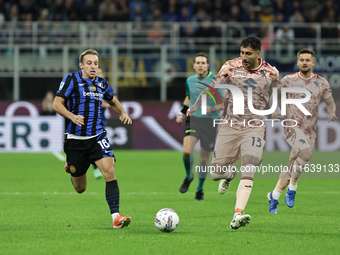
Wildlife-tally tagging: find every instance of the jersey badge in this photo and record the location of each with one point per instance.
(263, 73)
(61, 85)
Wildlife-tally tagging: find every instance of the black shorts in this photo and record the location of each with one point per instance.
(81, 153)
(202, 129)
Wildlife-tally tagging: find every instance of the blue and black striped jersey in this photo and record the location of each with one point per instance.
(84, 97)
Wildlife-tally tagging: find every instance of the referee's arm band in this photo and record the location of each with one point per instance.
(184, 109)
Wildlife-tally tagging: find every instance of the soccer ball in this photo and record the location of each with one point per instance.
(166, 220)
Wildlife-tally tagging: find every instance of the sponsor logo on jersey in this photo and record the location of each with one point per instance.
(87, 94)
(240, 73)
(263, 73)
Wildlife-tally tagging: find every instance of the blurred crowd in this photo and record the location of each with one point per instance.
(292, 22)
(171, 10)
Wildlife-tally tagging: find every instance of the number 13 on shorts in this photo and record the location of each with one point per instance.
(253, 145)
(256, 141)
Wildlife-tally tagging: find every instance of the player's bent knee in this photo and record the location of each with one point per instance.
(79, 183)
(204, 162)
(300, 164)
(251, 160)
(220, 171)
(216, 176)
(305, 155)
(248, 171)
(80, 190)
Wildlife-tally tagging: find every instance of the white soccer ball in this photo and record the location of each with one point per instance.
(166, 220)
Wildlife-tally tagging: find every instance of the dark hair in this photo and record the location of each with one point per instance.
(201, 54)
(304, 51)
(251, 41)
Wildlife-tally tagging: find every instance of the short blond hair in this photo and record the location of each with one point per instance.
(87, 52)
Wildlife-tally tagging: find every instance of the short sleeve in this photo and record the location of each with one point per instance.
(327, 92)
(223, 74)
(187, 87)
(109, 92)
(66, 87)
(283, 83)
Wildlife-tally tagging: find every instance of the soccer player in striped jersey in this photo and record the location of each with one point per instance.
(301, 138)
(79, 100)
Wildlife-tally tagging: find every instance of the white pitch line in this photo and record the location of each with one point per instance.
(59, 155)
(147, 193)
(152, 124)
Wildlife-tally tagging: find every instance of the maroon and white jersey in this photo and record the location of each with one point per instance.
(319, 89)
(260, 80)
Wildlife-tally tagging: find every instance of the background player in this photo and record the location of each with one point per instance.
(247, 71)
(105, 105)
(47, 104)
(198, 127)
(79, 99)
(301, 138)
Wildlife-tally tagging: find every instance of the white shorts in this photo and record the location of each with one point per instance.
(230, 143)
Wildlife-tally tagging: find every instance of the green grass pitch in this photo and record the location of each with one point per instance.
(40, 213)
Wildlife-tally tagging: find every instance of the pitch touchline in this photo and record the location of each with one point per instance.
(145, 193)
(59, 155)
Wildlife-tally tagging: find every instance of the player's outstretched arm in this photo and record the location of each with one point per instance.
(198, 102)
(119, 109)
(59, 107)
(215, 108)
(331, 108)
(105, 104)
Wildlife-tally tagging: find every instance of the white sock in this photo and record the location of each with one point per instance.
(114, 216)
(292, 186)
(276, 194)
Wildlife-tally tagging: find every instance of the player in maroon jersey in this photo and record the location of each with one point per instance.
(248, 72)
(301, 138)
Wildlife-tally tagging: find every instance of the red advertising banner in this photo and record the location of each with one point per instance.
(154, 128)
